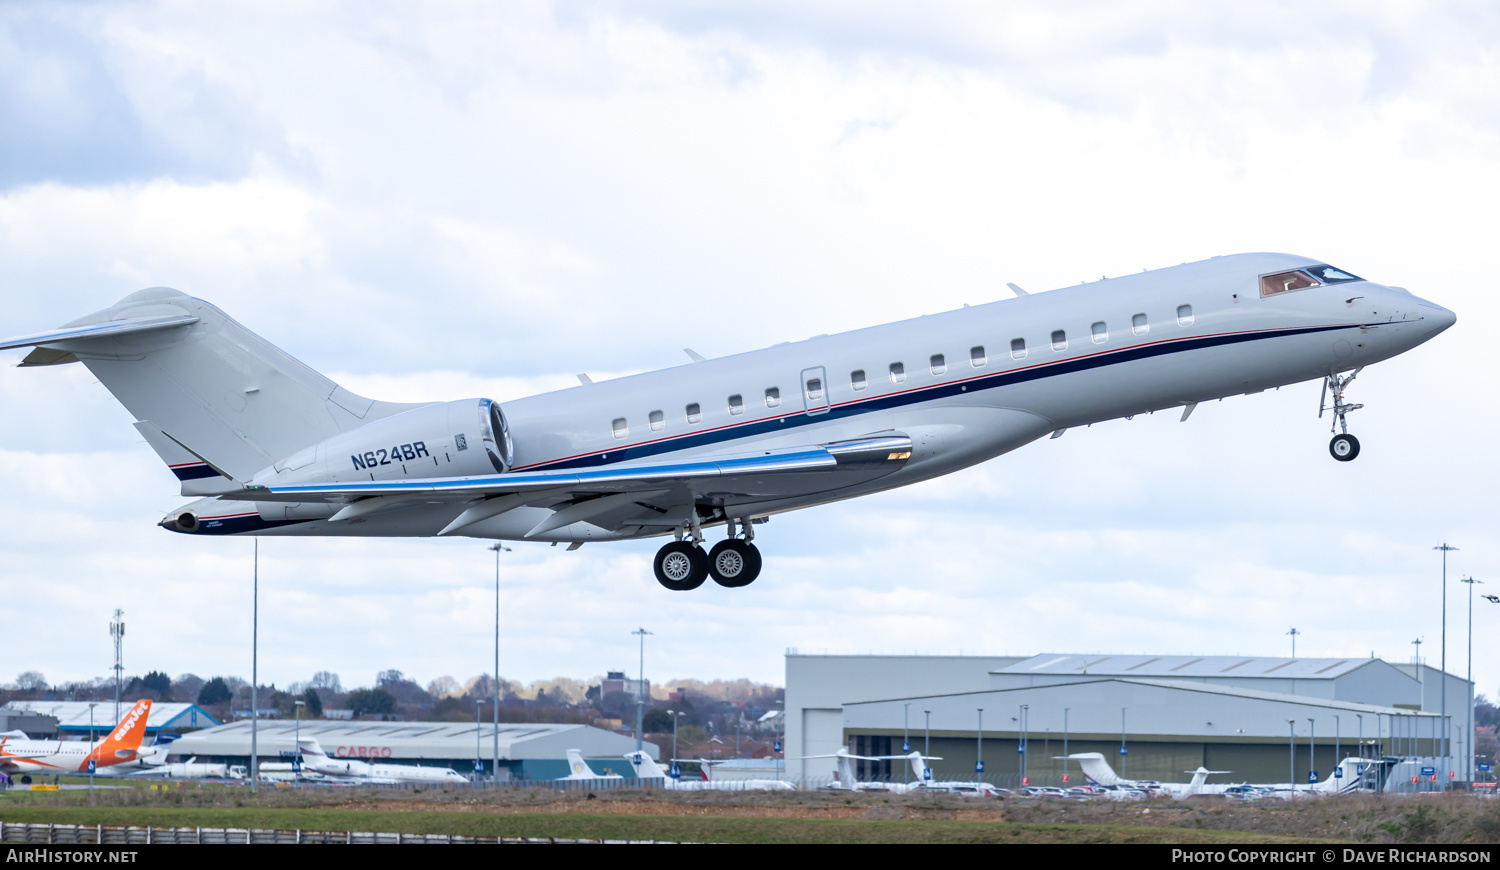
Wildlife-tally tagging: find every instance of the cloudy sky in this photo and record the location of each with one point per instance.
(468, 199)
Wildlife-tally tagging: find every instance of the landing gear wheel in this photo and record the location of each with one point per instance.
(681, 566)
(1344, 447)
(25, 779)
(734, 563)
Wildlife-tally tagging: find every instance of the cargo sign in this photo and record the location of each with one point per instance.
(363, 752)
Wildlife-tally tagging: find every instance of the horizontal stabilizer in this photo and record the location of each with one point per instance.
(73, 334)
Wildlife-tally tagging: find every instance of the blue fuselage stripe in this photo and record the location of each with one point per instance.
(912, 397)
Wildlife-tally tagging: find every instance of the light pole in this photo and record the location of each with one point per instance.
(254, 664)
(1338, 763)
(93, 751)
(297, 708)
(1469, 734)
(1312, 747)
(1124, 751)
(1065, 744)
(906, 739)
(979, 748)
(1291, 756)
(674, 714)
(1021, 744)
(495, 770)
(1443, 656)
(478, 752)
(640, 696)
(926, 735)
(1294, 632)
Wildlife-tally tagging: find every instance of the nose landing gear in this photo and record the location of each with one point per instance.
(1344, 447)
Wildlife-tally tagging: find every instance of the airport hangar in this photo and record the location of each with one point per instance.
(74, 723)
(1234, 713)
(527, 750)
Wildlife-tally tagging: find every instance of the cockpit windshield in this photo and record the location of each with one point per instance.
(1286, 282)
(1329, 275)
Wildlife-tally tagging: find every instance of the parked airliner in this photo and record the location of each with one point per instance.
(271, 447)
(19, 754)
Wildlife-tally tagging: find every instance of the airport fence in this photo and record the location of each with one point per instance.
(130, 835)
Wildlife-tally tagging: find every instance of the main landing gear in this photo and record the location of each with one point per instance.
(1344, 447)
(682, 564)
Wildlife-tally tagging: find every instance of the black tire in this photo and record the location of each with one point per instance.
(734, 563)
(25, 779)
(680, 566)
(1344, 447)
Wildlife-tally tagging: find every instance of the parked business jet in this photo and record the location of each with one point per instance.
(21, 755)
(578, 769)
(1354, 774)
(315, 760)
(845, 778)
(274, 448)
(647, 769)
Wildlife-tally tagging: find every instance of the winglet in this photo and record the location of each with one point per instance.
(1016, 290)
(693, 354)
(584, 379)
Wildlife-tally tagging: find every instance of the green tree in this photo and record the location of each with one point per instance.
(376, 702)
(214, 692)
(313, 702)
(656, 721)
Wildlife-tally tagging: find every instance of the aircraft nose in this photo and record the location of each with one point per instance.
(1435, 317)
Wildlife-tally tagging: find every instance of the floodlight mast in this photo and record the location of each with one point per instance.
(1443, 656)
(117, 634)
(495, 769)
(1469, 734)
(640, 694)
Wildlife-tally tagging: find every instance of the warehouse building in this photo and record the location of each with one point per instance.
(1153, 717)
(527, 751)
(76, 721)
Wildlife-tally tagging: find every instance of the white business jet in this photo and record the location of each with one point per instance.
(271, 447)
(1353, 774)
(845, 778)
(579, 769)
(315, 760)
(648, 770)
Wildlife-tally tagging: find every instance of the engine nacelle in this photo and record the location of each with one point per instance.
(452, 439)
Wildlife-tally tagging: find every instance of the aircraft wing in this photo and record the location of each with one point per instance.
(637, 494)
(857, 460)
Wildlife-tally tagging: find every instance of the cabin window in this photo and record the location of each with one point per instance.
(1059, 340)
(694, 413)
(1184, 315)
(773, 397)
(815, 389)
(658, 421)
(1099, 332)
(1018, 348)
(898, 373)
(736, 404)
(977, 359)
(857, 379)
(1286, 282)
(619, 427)
(938, 364)
(1138, 325)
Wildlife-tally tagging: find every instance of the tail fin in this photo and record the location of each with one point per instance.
(577, 767)
(309, 746)
(213, 398)
(645, 767)
(124, 741)
(1096, 768)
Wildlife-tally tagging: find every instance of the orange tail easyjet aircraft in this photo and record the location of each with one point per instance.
(19, 754)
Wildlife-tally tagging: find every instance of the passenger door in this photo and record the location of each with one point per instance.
(815, 391)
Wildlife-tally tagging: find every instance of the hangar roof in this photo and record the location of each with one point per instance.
(437, 740)
(1177, 667)
(73, 716)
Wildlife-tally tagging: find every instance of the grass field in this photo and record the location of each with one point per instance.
(684, 828)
